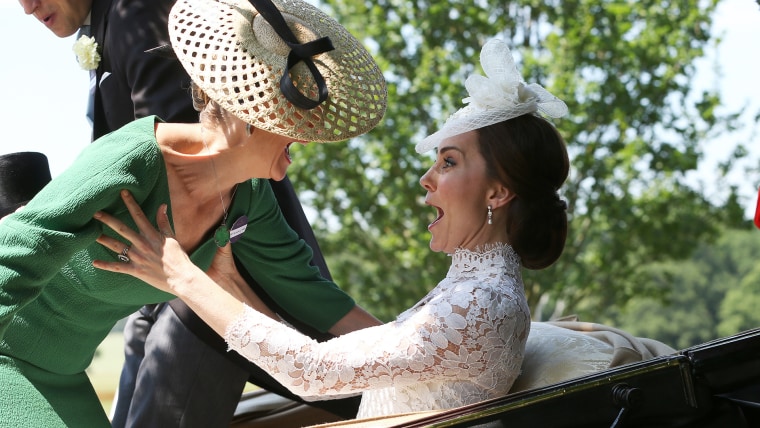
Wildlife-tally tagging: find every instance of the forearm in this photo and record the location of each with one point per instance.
(209, 300)
(238, 288)
(356, 319)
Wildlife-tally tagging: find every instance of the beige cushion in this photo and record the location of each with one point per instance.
(563, 350)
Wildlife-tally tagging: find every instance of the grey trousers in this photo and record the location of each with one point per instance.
(181, 383)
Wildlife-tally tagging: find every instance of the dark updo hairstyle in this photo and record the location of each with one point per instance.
(529, 157)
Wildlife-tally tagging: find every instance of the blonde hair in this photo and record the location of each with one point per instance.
(209, 109)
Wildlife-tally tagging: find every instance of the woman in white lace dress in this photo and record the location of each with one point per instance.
(494, 186)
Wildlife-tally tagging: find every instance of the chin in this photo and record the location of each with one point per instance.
(279, 175)
(435, 247)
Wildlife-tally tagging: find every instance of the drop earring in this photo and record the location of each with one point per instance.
(248, 129)
(490, 215)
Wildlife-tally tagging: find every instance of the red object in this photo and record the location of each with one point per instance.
(757, 210)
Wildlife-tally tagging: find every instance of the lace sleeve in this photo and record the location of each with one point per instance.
(459, 338)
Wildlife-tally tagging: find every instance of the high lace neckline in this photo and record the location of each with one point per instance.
(496, 256)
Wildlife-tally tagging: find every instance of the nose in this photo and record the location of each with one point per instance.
(427, 181)
(29, 5)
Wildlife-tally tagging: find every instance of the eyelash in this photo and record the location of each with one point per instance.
(447, 163)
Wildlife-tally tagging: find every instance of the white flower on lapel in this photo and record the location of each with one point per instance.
(86, 51)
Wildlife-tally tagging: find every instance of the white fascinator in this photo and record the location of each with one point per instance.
(502, 95)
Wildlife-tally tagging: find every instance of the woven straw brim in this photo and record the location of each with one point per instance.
(234, 55)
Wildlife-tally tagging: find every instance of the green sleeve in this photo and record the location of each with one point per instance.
(38, 241)
(280, 262)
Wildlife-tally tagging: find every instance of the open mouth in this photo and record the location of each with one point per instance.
(287, 153)
(438, 218)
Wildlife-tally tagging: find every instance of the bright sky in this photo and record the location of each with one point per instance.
(46, 91)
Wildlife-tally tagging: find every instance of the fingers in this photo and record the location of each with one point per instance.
(222, 269)
(117, 225)
(118, 267)
(144, 239)
(144, 226)
(111, 243)
(225, 252)
(142, 222)
(117, 247)
(162, 219)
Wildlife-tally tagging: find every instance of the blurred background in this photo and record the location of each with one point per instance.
(662, 133)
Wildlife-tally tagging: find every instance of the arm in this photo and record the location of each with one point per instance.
(157, 258)
(36, 242)
(280, 262)
(203, 293)
(224, 273)
(356, 319)
(452, 337)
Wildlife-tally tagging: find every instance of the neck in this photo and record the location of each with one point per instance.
(201, 169)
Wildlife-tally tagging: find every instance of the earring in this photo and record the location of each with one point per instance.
(248, 129)
(490, 215)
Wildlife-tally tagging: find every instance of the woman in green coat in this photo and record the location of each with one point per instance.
(55, 307)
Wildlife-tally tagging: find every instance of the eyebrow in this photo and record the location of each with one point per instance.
(447, 148)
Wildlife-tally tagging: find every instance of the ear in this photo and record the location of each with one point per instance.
(498, 195)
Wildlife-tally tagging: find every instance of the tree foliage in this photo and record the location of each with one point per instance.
(714, 294)
(625, 70)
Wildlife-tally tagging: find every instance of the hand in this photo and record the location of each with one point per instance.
(223, 267)
(224, 273)
(154, 256)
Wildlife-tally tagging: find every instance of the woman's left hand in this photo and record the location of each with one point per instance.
(154, 256)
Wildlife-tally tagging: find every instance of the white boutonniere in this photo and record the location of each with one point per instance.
(86, 51)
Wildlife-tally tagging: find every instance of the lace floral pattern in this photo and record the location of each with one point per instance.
(461, 344)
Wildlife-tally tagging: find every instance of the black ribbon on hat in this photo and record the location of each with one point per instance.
(299, 52)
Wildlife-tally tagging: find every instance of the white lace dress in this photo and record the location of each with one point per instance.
(461, 344)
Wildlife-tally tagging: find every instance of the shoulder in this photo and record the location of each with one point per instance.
(138, 130)
(131, 146)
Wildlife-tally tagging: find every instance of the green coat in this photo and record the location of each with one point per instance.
(55, 307)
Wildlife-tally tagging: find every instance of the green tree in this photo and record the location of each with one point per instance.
(623, 68)
(715, 293)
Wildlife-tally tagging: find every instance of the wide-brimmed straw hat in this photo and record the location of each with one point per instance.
(22, 175)
(500, 96)
(240, 56)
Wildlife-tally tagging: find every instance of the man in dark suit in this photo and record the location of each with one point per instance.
(129, 83)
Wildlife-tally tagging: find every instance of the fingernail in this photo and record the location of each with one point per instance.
(98, 214)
